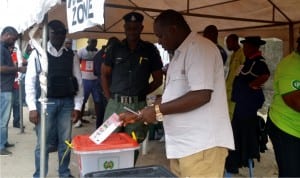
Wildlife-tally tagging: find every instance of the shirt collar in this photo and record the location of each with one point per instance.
(52, 50)
(138, 46)
(185, 42)
(258, 53)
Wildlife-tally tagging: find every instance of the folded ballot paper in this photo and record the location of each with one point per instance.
(106, 129)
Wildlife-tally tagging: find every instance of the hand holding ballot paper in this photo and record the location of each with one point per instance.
(113, 122)
(146, 115)
(130, 116)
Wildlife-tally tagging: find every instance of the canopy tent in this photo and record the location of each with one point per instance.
(267, 18)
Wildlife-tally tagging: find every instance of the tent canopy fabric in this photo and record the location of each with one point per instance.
(267, 18)
(23, 14)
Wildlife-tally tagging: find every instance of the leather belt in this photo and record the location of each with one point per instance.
(128, 99)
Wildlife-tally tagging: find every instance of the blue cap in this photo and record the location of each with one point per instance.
(133, 17)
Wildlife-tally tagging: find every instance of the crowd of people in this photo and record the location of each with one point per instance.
(210, 121)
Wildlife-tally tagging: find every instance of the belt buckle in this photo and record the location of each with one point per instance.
(127, 99)
(130, 100)
(124, 99)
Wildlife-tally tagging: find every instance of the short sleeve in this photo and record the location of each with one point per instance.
(283, 79)
(155, 58)
(109, 57)
(261, 68)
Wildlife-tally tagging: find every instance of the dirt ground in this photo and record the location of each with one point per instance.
(21, 162)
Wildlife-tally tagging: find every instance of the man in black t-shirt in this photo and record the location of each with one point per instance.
(126, 71)
(8, 71)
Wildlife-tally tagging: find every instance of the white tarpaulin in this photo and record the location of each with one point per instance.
(267, 18)
(23, 14)
(84, 14)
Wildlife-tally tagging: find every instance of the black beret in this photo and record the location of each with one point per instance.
(255, 40)
(133, 17)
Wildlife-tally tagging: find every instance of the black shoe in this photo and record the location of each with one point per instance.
(233, 170)
(5, 152)
(18, 126)
(7, 145)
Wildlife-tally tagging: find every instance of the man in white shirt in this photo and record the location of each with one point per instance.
(90, 82)
(64, 97)
(194, 109)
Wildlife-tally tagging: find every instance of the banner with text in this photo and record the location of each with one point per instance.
(84, 14)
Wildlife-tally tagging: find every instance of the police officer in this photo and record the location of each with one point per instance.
(126, 71)
(248, 95)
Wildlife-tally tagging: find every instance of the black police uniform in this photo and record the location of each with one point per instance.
(131, 70)
(130, 79)
(245, 123)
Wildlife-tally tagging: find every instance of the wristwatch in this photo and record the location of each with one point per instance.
(158, 114)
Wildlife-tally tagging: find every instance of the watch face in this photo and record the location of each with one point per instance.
(160, 118)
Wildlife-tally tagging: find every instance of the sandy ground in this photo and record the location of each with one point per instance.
(21, 162)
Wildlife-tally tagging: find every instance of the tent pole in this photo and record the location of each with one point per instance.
(43, 111)
(21, 80)
(291, 37)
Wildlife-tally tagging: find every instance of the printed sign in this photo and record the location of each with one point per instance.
(83, 14)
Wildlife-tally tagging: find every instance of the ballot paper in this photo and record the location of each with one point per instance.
(106, 129)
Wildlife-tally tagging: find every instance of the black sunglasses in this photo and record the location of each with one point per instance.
(59, 32)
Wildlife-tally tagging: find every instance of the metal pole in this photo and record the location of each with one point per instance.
(20, 81)
(21, 104)
(43, 111)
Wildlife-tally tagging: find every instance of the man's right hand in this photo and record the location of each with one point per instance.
(34, 117)
(128, 118)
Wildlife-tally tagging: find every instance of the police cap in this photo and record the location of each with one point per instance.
(133, 17)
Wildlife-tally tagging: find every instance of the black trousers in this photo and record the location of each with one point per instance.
(287, 151)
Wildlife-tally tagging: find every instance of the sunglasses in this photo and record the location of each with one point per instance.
(59, 32)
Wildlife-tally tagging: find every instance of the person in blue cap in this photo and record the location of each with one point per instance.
(133, 17)
(126, 71)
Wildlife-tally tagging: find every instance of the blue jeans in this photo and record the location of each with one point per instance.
(16, 108)
(58, 119)
(5, 110)
(91, 87)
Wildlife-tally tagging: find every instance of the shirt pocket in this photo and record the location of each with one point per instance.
(178, 75)
(178, 81)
